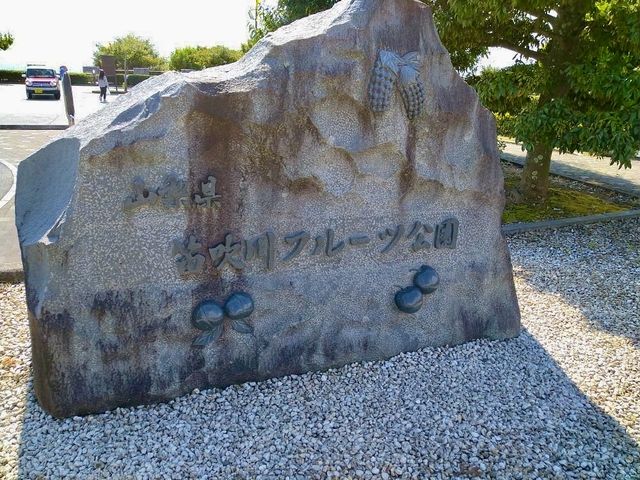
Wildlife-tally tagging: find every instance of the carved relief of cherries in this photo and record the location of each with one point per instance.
(425, 281)
(409, 299)
(209, 317)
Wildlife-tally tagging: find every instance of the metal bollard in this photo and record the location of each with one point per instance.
(68, 98)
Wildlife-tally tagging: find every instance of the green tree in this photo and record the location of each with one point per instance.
(507, 92)
(266, 19)
(6, 40)
(138, 52)
(579, 86)
(197, 58)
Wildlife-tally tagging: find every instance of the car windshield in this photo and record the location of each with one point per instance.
(40, 72)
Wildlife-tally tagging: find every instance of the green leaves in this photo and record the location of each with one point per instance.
(583, 91)
(6, 40)
(139, 52)
(509, 90)
(268, 19)
(468, 29)
(197, 58)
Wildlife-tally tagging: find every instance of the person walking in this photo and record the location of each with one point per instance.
(103, 83)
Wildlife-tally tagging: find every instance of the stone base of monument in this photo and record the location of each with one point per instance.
(333, 197)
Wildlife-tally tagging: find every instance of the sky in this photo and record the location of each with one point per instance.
(41, 38)
(40, 35)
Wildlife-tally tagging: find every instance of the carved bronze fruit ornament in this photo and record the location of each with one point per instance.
(392, 70)
(209, 317)
(425, 281)
(409, 299)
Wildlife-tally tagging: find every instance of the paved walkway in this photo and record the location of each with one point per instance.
(15, 146)
(586, 168)
(15, 109)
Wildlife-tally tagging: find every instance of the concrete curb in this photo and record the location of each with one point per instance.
(513, 228)
(16, 274)
(12, 275)
(112, 92)
(34, 127)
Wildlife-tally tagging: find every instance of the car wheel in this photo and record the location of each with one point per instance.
(29, 95)
(56, 95)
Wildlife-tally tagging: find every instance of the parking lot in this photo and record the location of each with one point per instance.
(15, 109)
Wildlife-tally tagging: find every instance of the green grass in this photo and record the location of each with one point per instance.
(563, 202)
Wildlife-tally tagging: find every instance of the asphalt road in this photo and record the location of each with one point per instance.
(15, 109)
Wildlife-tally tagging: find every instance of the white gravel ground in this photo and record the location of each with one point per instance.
(560, 401)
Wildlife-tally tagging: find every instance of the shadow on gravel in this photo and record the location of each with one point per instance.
(485, 409)
(595, 268)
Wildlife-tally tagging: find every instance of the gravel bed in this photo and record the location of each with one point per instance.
(560, 401)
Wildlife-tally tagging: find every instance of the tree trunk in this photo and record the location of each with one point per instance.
(534, 183)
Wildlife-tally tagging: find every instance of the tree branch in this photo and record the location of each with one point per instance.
(543, 28)
(542, 15)
(525, 52)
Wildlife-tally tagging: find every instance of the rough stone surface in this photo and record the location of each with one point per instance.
(561, 401)
(123, 220)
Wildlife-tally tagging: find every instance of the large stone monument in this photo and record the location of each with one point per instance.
(335, 196)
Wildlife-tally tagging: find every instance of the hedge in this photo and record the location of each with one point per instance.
(77, 78)
(11, 76)
(132, 79)
(15, 76)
